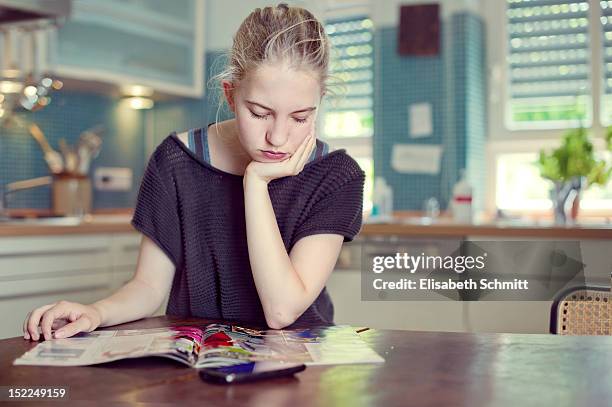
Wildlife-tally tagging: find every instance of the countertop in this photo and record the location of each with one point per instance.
(89, 224)
(404, 226)
(407, 227)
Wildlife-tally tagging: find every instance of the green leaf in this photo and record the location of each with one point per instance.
(575, 158)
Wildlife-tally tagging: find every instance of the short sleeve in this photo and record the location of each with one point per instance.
(340, 212)
(156, 213)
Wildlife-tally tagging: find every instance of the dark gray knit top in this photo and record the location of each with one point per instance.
(195, 213)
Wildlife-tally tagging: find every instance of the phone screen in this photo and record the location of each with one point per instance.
(250, 371)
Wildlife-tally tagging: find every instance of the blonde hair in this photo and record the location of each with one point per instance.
(281, 34)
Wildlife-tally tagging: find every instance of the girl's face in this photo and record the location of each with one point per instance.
(275, 109)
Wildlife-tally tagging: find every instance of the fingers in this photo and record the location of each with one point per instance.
(311, 147)
(67, 319)
(26, 334)
(73, 328)
(58, 311)
(312, 141)
(34, 320)
(58, 323)
(305, 155)
(303, 147)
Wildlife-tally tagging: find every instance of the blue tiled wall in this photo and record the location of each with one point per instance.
(124, 139)
(453, 82)
(67, 116)
(404, 81)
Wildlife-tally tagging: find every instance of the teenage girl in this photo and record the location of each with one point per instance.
(241, 220)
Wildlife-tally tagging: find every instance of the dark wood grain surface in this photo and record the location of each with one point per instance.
(421, 369)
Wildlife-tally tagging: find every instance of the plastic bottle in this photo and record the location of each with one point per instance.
(462, 200)
(388, 210)
(378, 196)
(382, 208)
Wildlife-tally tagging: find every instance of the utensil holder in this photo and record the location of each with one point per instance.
(71, 195)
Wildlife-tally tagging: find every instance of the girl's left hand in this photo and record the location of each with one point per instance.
(293, 165)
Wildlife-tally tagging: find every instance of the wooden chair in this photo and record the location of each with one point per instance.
(582, 311)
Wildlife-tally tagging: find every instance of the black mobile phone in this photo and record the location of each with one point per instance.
(246, 372)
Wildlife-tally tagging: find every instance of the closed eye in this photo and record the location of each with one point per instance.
(265, 116)
(257, 116)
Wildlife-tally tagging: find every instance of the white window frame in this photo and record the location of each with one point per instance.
(501, 138)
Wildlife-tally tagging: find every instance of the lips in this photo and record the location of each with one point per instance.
(274, 155)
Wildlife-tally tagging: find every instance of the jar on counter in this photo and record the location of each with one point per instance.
(71, 195)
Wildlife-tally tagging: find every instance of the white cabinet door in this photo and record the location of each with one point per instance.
(125, 258)
(344, 287)
(40, 270)
(154, 43)
(35, 271)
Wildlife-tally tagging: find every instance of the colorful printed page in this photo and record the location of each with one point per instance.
(224, 345)
(209, 346)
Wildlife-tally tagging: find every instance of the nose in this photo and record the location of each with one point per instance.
(278, 133)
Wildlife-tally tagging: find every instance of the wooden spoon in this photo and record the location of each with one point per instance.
(53, 158)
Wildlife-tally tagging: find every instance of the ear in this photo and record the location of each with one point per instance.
(229, 91)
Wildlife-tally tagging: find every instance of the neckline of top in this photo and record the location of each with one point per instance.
(191, 154)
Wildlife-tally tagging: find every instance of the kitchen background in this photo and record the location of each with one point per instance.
(453, 93)
(452, 83)
(432, 89)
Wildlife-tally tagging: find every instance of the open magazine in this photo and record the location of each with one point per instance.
(212, 345)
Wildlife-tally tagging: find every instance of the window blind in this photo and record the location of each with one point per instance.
(606, 26)
(548, 61)
(349, 106)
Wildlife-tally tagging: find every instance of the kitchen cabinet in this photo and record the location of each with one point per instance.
(37, 270)
(344, 287)
(155, 43)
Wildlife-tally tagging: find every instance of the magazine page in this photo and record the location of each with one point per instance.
(179, 343)
(225, 345)
(213, 345)
(229, 344)
(334, 345)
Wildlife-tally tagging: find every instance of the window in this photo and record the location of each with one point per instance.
(348, 110)
(606, 24)
(548, 64)
(524, 188)
(550, 70)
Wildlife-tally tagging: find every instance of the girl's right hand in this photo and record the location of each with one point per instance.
(66, 318)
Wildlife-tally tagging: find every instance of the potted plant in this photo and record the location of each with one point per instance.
(572, 167)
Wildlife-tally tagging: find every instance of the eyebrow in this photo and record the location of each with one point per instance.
(308, 109)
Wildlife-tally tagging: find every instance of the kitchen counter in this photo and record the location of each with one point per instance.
(405, 227)
(90, 224)
(414, 227)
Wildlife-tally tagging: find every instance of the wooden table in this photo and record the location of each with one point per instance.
(422, 368)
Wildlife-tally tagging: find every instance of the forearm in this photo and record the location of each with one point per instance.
(135, 300)
(281, 291)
